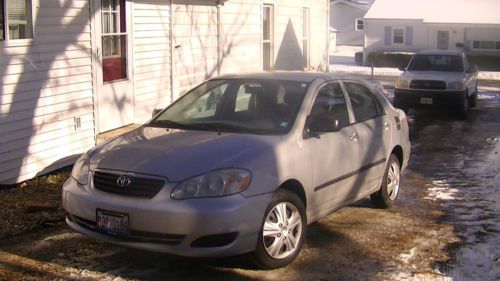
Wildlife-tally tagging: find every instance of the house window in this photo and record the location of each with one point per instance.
(15, 20)
(359, 25)
(486, 45)
(305, 36)
(267, 37)
(398, 36)
(114, 40)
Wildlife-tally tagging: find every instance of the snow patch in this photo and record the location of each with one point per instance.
(441, 190)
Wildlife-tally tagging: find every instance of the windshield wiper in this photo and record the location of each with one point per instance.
(225, 127)
(169, 124)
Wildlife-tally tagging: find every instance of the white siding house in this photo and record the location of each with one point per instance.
(72, 69)
(346, 16)
(409, 26)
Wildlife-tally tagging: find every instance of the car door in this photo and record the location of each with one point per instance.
(330, 146)
(373, 132)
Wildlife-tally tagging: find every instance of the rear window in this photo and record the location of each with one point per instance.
(449, 63)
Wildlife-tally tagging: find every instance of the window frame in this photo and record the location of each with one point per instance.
(346, 99)
(306, 32)
(495, 43)
(394, 33)
(30, 18)
(356, 24)
(268, 43)
(379, 103)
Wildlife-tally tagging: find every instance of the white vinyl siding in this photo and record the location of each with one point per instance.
(195, 41)
(45, 84)
(151, 33)
(241, 35)
(288, 34)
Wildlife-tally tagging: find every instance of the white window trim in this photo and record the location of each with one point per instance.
(19, 42)
(356, 24)
(307, 37)
(269, 41)
(484, 49)
(392, 36)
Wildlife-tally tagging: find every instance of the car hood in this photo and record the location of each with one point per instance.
(432, 75)
(179, 154)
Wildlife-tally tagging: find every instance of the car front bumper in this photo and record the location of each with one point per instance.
(413, 98)
(225, 225)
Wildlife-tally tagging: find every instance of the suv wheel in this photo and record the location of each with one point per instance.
(388, 192)
(463, 110)
(473, 99)
(283, 231)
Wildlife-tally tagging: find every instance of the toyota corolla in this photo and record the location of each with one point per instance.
(242, 164)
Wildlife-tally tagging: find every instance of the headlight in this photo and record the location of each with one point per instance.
(456, 86)
(402, 84)
(81, 170)
(213, 184)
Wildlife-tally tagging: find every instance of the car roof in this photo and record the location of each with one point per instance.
(301, 76)
(441, 52)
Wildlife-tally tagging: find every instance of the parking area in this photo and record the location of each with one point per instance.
(445, 224)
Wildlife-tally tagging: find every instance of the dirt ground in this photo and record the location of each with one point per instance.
(426, 236)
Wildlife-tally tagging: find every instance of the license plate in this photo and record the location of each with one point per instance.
(425, 100)
(112, 223)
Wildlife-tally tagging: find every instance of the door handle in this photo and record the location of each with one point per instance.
(386, 125)
(353, 137)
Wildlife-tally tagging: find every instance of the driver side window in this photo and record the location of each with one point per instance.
(329, 112)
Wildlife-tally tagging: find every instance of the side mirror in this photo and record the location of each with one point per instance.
(402, 69)
(320, 124)
(156, 111)
(472, 69)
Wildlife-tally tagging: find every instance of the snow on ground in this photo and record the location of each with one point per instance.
(342, 61)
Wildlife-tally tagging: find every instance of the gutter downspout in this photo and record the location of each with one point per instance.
(171, 51)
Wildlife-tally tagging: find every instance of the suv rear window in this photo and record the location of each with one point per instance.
(448, 63)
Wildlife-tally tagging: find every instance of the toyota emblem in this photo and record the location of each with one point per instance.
(123, 181)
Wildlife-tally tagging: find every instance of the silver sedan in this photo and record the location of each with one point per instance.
(242, 164)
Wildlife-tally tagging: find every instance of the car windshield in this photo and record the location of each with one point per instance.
(449, 63)
(236, 105)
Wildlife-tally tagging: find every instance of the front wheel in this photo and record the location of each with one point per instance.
(389, 190)
(283, 231)
(473, 100)
(463, 110)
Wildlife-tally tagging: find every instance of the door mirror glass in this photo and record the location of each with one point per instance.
(329, 112)
(472, 69)
(324, 123)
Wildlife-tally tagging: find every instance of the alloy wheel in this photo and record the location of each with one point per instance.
(393, 179)
(282, 230)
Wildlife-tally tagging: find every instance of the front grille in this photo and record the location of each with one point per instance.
(134, 235)
(138, 186)
(428, 85)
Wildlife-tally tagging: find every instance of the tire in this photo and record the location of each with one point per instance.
(387, 194)
(275, 248)
(473, 99)
(463, 110)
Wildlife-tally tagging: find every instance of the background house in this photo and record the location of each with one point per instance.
(72, 69)
(346, 16)
(409, 26)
